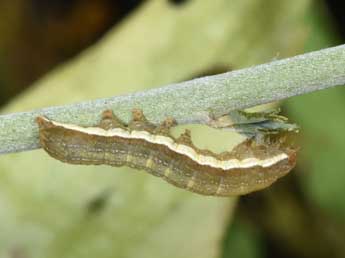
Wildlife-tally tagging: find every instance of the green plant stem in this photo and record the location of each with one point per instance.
(192, 101)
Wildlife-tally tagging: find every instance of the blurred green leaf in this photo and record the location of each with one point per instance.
(243, 242)
(322, 120)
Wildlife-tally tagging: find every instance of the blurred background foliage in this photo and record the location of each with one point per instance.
(104, 48)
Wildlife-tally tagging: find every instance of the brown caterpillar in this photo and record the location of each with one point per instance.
(142, 145)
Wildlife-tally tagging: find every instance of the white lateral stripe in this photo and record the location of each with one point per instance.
(179, 148)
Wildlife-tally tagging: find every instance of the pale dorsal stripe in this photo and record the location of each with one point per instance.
(179, 148)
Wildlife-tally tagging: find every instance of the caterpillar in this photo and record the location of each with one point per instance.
(250, 166)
